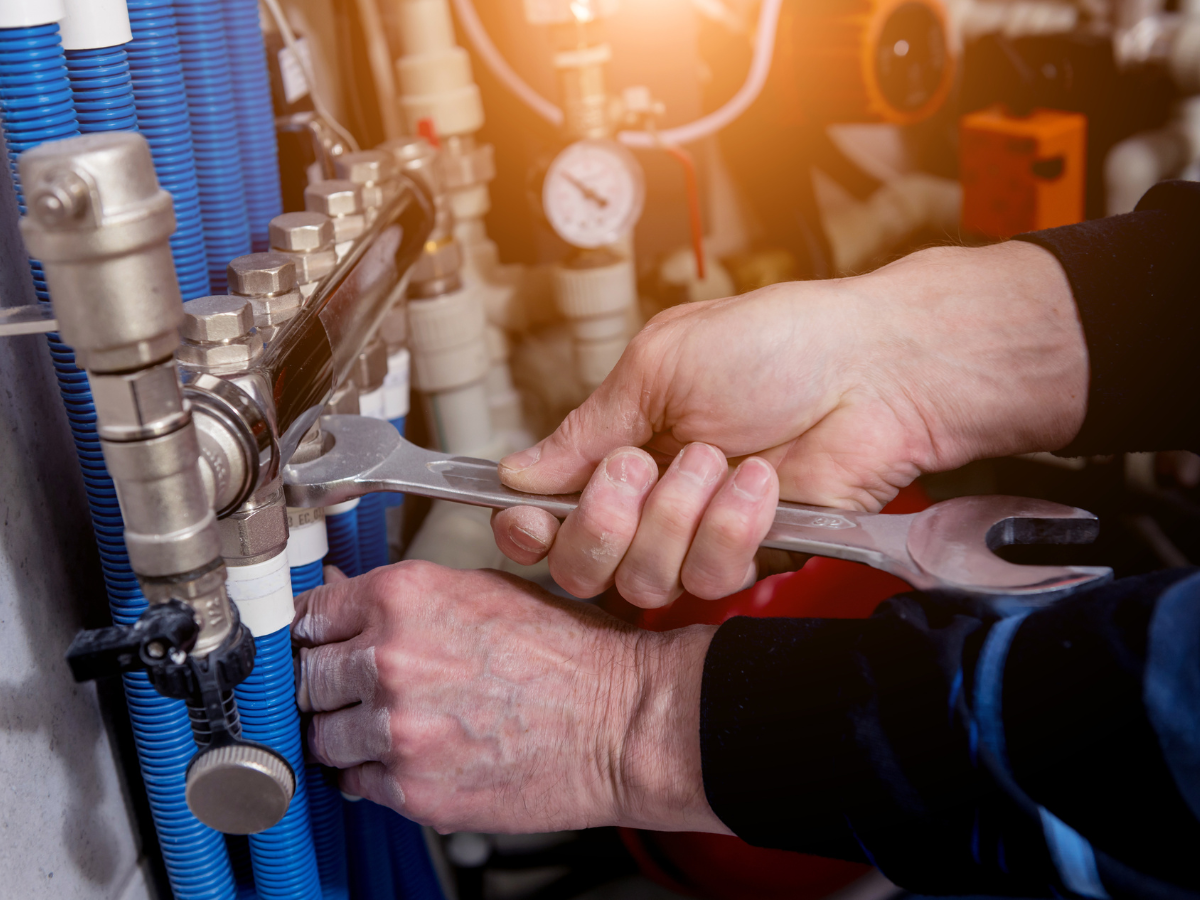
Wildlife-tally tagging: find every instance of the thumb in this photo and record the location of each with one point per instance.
(611, 417)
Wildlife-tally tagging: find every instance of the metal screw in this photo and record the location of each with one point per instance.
(210, 319)
(257, 274)
(336, 197)
(301, 231)
(63, 197)
(155, 650)
(364, 167)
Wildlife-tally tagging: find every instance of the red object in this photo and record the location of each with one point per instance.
(693, 197)
(427, 130)
(719, 867)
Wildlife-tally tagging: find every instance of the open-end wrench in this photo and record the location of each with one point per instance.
(945, 547)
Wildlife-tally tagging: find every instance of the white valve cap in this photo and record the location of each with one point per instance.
(27, 13)
(598, 291)
(90, 24)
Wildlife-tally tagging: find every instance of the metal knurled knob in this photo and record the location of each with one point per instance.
(239, 788)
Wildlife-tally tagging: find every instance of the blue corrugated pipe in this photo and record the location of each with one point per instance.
(210, 101)
(367, 848)
(372, 531)
(412, 869)
(36, 105)
(343, 540)
(324, 800)
(255, 118)
(156, 65)
(102, 89)
(285, 865)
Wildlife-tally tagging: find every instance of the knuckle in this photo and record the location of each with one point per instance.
(643, 589)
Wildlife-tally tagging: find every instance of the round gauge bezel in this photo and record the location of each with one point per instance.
(630, 166)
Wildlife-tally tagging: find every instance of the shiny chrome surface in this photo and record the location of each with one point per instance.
(945, 547)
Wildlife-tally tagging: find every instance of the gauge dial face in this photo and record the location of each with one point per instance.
(593, 193)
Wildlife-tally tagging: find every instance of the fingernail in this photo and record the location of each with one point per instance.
(630, 472)
(526, 540)
(522, 460)
(700, 461)
(751, 478)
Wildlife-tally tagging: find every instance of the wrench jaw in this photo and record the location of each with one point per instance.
(952, 545)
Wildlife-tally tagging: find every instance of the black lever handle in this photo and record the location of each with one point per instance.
(165, 633)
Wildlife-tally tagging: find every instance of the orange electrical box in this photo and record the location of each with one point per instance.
(1021, 173)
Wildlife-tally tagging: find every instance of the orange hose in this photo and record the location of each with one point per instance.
(693, 196)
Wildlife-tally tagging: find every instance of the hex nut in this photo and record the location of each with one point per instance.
(336, 197)
(314, 266)
(257, 274)
(373, 196)
(364, 167)
(248, 533)
(231, 356)
(464, 170)
(371, 366)
(221, 318)
(301, 231)
(347, 228)
(275, 310)
(139, 403)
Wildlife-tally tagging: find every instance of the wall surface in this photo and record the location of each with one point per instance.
(65, 825)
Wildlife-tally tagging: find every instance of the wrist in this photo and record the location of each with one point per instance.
(991, 349)
(661, 784)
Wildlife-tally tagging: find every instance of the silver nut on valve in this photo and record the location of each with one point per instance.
(308, 239)
(219, 335)
(268, 281)
(372, 170)
(342, 201)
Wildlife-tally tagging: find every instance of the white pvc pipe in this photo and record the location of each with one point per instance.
(760, 67)
(380, 59)
(28, 13)
(91, 24)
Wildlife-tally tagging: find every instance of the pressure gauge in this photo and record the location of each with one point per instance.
(593, 193)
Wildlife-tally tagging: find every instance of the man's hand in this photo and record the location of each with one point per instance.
(834, 393)
(476, 701)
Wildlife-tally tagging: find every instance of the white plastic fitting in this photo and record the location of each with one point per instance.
(308, 540)
(90, 24)
(397, 384)
(598, 303)
(263, 594)
(446, 337)
(27, 13)
(434, 73)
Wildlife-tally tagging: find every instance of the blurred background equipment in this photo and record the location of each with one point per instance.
(453, 215)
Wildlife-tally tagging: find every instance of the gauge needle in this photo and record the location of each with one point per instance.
(586, 191)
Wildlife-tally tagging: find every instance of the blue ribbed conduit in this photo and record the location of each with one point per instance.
(412, 869)
(372, 531)
(324, 799)
(285, 866)
(255, 118)
(367, 847)
(36, 104)
(343, 542)
(156, 66)
(102, 89)
(210, 101)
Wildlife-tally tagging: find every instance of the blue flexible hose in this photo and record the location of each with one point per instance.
(36, 105)
(367, 847)
(324, 798)
(238, 846)
(412, 869)
(343, 542)
(102, 88)
(210, 101)
(372, 531)
(329, 830)
(283, 857)
(156, 66)
(255, 118)
(307, 577)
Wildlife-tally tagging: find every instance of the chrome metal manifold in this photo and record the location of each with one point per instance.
(196, 459)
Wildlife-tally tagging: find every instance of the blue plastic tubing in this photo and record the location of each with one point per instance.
(210, 100)
(324, 799)
(255, 118)
(156, 65)
(367, 846)
(412, 869)
(372, 531)
(36, 104)
(343, 542)
(102, 89)
(283, 858)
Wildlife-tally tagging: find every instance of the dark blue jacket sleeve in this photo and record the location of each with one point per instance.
(1053, 752)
